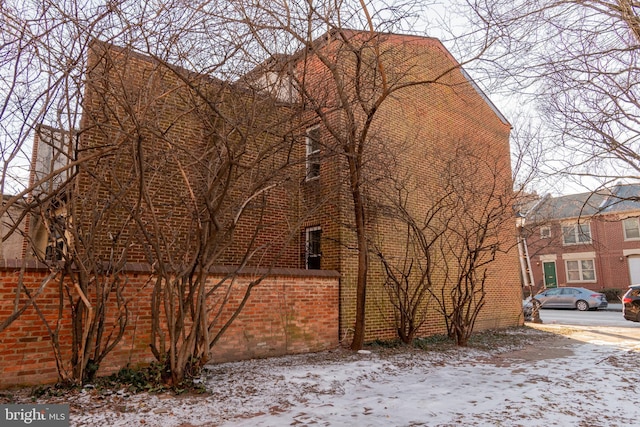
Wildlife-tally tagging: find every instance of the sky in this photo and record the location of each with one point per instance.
(578, 381)
(431, 17)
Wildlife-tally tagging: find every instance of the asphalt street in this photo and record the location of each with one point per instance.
(607, 325)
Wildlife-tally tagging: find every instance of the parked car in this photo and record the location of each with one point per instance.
(527, 311)
(581, 298)
(631, 304)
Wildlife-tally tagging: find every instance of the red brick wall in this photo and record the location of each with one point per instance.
(291, 311)
(156, 126)
(416, 130)
(607, 235)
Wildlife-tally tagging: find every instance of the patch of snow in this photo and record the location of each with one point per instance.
(586, 383)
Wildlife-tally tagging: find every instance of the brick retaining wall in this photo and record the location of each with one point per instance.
(291, 311)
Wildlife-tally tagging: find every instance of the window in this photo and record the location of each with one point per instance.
(312, 248)
(580, 270)
(56, 245)
(631, 229)
(313, 153)
(55, 251)
(575, 234)
(545, 232)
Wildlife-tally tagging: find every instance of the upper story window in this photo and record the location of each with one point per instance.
(631, 229)
(545, 232)
(313, 253)
(313, 152)
(575, 234)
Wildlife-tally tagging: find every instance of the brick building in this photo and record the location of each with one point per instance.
(434, 116)
(588, 240)
(435, 120)
(12, 219)
(254, 174)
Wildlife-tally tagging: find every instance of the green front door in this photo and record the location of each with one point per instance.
(550, 280)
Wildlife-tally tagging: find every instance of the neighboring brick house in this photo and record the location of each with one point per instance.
(296, 220)
(589, 240)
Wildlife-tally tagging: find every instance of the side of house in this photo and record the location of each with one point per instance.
(179, 172)
(436, 131)
(174, 170)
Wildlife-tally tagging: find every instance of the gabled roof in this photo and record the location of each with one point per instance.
(485, 97)
(280, 62)
(620, 198)
(623, 198)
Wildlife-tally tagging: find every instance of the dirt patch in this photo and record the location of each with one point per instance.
(551, 348)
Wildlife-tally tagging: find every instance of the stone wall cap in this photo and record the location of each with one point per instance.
(138, 267)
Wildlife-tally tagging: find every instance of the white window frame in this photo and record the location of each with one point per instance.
(308, 232)
(637, 227)
(312, 154)
(581, 270)
(577, 233)
(545, 232)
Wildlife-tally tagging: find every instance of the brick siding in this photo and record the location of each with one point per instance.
(418, 130)
(291, 311)
(415, 132)
(607, 242)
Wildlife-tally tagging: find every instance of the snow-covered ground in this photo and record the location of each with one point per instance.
(579, 377)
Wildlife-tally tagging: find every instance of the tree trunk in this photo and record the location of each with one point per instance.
(363, 263)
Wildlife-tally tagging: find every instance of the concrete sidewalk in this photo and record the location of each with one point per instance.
(614, 307)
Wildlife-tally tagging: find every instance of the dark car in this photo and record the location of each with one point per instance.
(581, 298)
(631, 304)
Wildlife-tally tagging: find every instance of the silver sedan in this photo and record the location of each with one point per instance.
(581, 298)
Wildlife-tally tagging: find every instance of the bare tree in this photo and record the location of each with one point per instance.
(90, 287)
(479, 201)
(411, 276)
(452, 241)
(346, 79)
(576, 64)
(199, 159)
(171, 158)
(40, 76)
